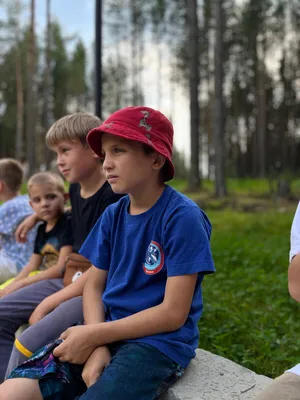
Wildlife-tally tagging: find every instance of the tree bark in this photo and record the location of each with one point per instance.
(48, 117)
(20, 96)
(31, 106)
(193, 45)
(219, 144)
(261, 112)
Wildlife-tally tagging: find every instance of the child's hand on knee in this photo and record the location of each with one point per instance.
(77, 345)
(95, 365)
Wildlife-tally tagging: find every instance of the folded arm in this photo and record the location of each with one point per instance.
(168, 316)
(51, 302)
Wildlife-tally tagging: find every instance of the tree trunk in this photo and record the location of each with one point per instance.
(193, 45)
(31, 107)
(20, 108)
(20, 96)
(48, 117)
(134, 45)
(261, 116)
(219, 145)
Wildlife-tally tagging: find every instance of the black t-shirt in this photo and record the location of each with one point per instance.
(48, 244)
(85, 212)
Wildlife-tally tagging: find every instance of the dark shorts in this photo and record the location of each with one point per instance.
(57, 380)
(137, 371)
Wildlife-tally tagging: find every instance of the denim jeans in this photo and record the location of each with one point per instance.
(137, 371)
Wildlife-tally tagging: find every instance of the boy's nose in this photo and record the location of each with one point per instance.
(59, 161)
(107, 164)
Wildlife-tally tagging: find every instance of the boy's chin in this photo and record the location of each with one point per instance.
(117, 190)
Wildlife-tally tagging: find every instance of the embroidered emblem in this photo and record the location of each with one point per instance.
(154, 261)
(143, 123)
(109, 125)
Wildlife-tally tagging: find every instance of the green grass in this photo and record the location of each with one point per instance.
(248, 314)
(243, 186)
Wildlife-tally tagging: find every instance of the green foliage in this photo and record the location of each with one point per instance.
(248, 314)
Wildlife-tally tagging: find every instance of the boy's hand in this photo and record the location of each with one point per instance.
(24, 227)
(77, 344)
(12, 287)
(44, 308)
(95, 365)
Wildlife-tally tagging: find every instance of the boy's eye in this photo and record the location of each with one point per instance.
(51, 196)
(35, 200)
(64, 150)
(119, 150)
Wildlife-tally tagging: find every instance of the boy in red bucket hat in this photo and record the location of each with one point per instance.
(143, 299)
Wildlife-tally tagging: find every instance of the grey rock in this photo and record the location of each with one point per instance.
(211, 377)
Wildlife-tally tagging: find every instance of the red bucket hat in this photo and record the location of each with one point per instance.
(142, 124)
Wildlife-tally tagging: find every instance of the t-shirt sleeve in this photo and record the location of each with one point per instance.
(65, 235)
(295, 235)
(96, 247)
(11, 216)
(186, 245)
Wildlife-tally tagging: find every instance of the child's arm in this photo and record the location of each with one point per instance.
(51, 302)
(168, 316)
(294, 278)
(51, 273)
(294, 268)
(33, 265)
(24, 227)
(93, 309)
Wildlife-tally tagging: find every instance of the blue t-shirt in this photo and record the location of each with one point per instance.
(12, 213)
(141, 251)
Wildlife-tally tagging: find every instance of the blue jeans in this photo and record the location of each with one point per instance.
(137, 371)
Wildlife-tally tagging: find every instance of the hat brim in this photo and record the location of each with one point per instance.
(124, 132)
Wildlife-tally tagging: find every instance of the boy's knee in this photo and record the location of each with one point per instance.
(286, 386)
(17, 357)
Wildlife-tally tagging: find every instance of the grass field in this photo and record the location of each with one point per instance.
(248, 315)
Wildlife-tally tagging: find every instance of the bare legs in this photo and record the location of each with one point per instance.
(20, 389)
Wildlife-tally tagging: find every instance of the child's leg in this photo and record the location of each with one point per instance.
(44, 331)
(137, 371)
(285, 387)
(8, 268)
(20, 389)
(15, 310)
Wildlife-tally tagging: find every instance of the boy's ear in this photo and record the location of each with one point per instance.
(159, 161)
(30, 202)
(66, 197)
(1, 186)
(94, 155)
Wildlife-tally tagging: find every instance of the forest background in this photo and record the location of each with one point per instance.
(226, 72)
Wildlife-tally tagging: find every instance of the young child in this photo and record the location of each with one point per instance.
(143, 298)
(90, 194)
(13, 255)
(54, 240)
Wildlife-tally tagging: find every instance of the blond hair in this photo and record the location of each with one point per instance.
(11, 172)
(47, 178)
(71, 128)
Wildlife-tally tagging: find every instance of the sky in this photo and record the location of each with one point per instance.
(76, 17)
